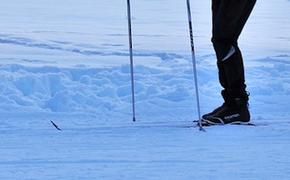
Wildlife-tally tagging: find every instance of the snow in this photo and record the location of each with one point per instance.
(67, 61)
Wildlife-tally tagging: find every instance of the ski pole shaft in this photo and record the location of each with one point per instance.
(194, 63)
(131, 57)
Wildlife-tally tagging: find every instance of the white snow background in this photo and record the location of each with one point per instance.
(67, 61)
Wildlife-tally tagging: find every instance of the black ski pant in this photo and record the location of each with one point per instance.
(228, 20)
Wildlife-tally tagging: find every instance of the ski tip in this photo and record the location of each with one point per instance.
(56, 127)
(134, 119)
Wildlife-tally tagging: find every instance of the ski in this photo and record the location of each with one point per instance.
(204, 123)
(56, 126)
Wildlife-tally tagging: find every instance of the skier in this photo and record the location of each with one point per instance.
(228, 20)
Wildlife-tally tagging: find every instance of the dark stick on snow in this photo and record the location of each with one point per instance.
(55, 125)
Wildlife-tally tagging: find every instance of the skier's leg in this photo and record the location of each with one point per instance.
(229, 18)
(216, 8)
(244, 17)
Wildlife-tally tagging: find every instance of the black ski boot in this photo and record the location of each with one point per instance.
(233, 111)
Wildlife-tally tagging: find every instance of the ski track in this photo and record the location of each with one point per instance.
(81, 48)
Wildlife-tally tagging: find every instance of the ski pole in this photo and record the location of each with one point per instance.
(194, 64)
(131, 57)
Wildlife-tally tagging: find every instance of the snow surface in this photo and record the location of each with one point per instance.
(67, 61)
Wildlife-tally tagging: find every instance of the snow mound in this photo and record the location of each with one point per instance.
(92, 90)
